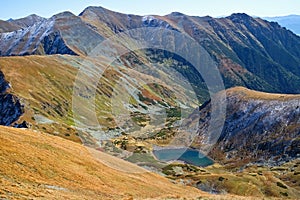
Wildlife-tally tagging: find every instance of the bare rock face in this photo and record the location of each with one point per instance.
(10, 106)
(38, 38)
(259, 127)
(54, 44)
(3, 84)
(63, 33)
(10, 109)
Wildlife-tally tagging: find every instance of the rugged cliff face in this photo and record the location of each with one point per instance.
(10, 106)
(259, 127)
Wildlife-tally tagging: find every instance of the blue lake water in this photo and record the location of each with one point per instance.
(187, 155)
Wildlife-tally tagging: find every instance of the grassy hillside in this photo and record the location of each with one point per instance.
(37, 165)
(45, 86)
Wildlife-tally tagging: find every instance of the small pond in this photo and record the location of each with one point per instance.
(190, 156)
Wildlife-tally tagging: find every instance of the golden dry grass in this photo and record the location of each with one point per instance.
(252, 94)
(44, 84)
(38, 165)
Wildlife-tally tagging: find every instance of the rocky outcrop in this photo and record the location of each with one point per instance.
(10, 106)
(54, 44)
(3, 83)
(259, 127)
(10, 109)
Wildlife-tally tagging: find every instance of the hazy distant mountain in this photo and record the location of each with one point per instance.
(291, 22)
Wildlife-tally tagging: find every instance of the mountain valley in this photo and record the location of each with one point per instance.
(81, 88)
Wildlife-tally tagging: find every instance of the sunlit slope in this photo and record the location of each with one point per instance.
(45, 86)
(37, 165)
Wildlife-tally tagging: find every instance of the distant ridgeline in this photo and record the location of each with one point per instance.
(250, 52)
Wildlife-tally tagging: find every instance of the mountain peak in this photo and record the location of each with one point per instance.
(176, 14)
(63, 15)
(26, 21)
(94, 9)
(239, 16)
(32, 17)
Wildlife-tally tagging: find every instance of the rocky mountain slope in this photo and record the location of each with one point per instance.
(16, 24)
(10, 105)
(56, 35)
(259, 127)
(46, 84)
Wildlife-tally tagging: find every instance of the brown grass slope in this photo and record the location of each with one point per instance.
(39, 166)
(45, 86)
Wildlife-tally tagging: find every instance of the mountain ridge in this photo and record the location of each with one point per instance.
(239, 44)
